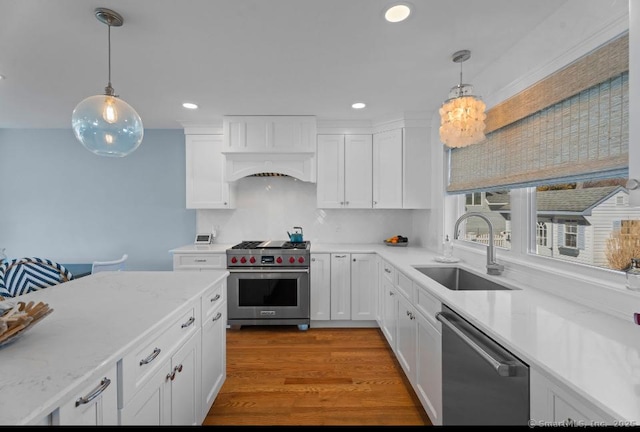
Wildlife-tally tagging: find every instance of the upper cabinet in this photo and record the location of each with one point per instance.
(344, 171)
(206, 186)
(269, 133)
(401, 168)
(259, 144)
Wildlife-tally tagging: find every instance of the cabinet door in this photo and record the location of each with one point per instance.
(389, 312)
(406, 332)
(363, 287)
(213, 362)
(340, 287)
(206, 187)
(152, 404)
(185, 383)
(320, 287)
(387, 169)
(358, 157)
(429, 369)
(95, 404)
(330, 187)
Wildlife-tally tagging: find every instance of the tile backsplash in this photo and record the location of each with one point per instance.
(268, 207)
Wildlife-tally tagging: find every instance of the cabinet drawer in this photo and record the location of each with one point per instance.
(428, 305)
(142, 363)
(405, 286)
(214, 296)
(388, 271)
(94, 403)
(199, 261)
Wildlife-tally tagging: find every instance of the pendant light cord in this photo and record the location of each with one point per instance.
(108, 90)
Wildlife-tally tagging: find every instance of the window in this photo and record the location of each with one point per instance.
(495, 206)
(541, 234)
(571, 234)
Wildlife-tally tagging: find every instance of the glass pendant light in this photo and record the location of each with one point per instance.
(105, 124)
(462, 115)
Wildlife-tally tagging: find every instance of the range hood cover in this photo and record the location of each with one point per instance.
(300, 165)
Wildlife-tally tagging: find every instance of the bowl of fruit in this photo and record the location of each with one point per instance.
(397, 240)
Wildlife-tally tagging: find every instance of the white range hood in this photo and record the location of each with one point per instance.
(270, 144)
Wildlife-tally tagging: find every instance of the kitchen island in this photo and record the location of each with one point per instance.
(105, 323)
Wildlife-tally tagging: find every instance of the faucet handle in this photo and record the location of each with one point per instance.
(495, 269)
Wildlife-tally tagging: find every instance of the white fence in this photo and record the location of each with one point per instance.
(499, 240)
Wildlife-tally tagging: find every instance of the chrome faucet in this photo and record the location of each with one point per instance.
(493, 268)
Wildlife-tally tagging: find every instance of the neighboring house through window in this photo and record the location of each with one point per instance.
(541, 234)
(571, 234)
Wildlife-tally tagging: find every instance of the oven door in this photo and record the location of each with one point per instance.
(265, 296)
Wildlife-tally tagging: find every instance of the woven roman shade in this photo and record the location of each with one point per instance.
(583, 136)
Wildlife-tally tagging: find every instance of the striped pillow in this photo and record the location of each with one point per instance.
(23, 275)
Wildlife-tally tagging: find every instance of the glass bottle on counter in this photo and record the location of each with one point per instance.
(633, 275)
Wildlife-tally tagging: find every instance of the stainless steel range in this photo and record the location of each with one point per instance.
(268, 283)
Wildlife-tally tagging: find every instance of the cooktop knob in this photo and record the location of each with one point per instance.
(252, 260)
(279, 260)
(301, 260)
(243, 260)
(234, 260)
(292, 260)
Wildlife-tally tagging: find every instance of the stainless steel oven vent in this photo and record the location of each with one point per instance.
(268, 174)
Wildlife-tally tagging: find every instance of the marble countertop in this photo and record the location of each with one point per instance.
(95, 319)
(593, 353)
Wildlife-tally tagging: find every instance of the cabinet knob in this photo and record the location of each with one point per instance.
(346, 202)
(375, 202)
(313, 259)
(225, 203)
(215, 298)
(341, 202)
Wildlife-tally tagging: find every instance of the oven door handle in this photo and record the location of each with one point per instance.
(268, 270)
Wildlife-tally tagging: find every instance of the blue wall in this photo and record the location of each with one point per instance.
(62, 202)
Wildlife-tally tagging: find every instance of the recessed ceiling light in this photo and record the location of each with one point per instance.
(1, 77)
(189, 105)
(397, 13)
(358, 105)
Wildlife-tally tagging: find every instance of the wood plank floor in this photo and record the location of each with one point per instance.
(279, 375)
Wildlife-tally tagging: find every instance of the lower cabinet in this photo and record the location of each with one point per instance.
(389, 313)
(214, 359)
(552, 404)
(343, 286)
(406, 337)
(428, 379)
(94, 404)
(172, 395)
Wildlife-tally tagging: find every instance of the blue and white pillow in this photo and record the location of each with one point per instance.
(23, 275)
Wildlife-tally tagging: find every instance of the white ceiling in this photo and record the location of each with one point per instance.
(277, 57)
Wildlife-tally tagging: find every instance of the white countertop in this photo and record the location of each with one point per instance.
(199, 248)
(595, 354)
(94, 320)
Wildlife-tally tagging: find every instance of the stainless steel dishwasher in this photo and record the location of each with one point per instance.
(482, 382)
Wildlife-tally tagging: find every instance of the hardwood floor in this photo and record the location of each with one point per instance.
(279, 375)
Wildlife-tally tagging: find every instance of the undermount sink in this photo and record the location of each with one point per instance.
(459, 279)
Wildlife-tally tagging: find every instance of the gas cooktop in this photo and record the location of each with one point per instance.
(271, 244)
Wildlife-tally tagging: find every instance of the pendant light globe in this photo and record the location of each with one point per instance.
(105, 124)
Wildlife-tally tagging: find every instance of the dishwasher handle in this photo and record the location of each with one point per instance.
(502, 369)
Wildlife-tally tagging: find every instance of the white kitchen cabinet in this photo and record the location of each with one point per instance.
(389, 312)
(551, 402)
(205, 174)
(344, 171)
(428, 376)
(406, 337)
(269, 133)
(387, 169)
(214, 348)
(172, 395)
(401, 168)
(199, 261)
(95, 403)
(320, 276)
(341, 286)
(364, 298)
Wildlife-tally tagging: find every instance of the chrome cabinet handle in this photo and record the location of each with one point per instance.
(94, 393)
(188, 323)
(215, 298)
(346, 202)
(340, 256)
(391, 293)
(151, 357)
(217, 317)
(502, 369)
(354, 260)
(172, 375)
(200, 260)
(386, 270)
(313, 259)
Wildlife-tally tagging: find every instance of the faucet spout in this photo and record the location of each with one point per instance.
(493, 268)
